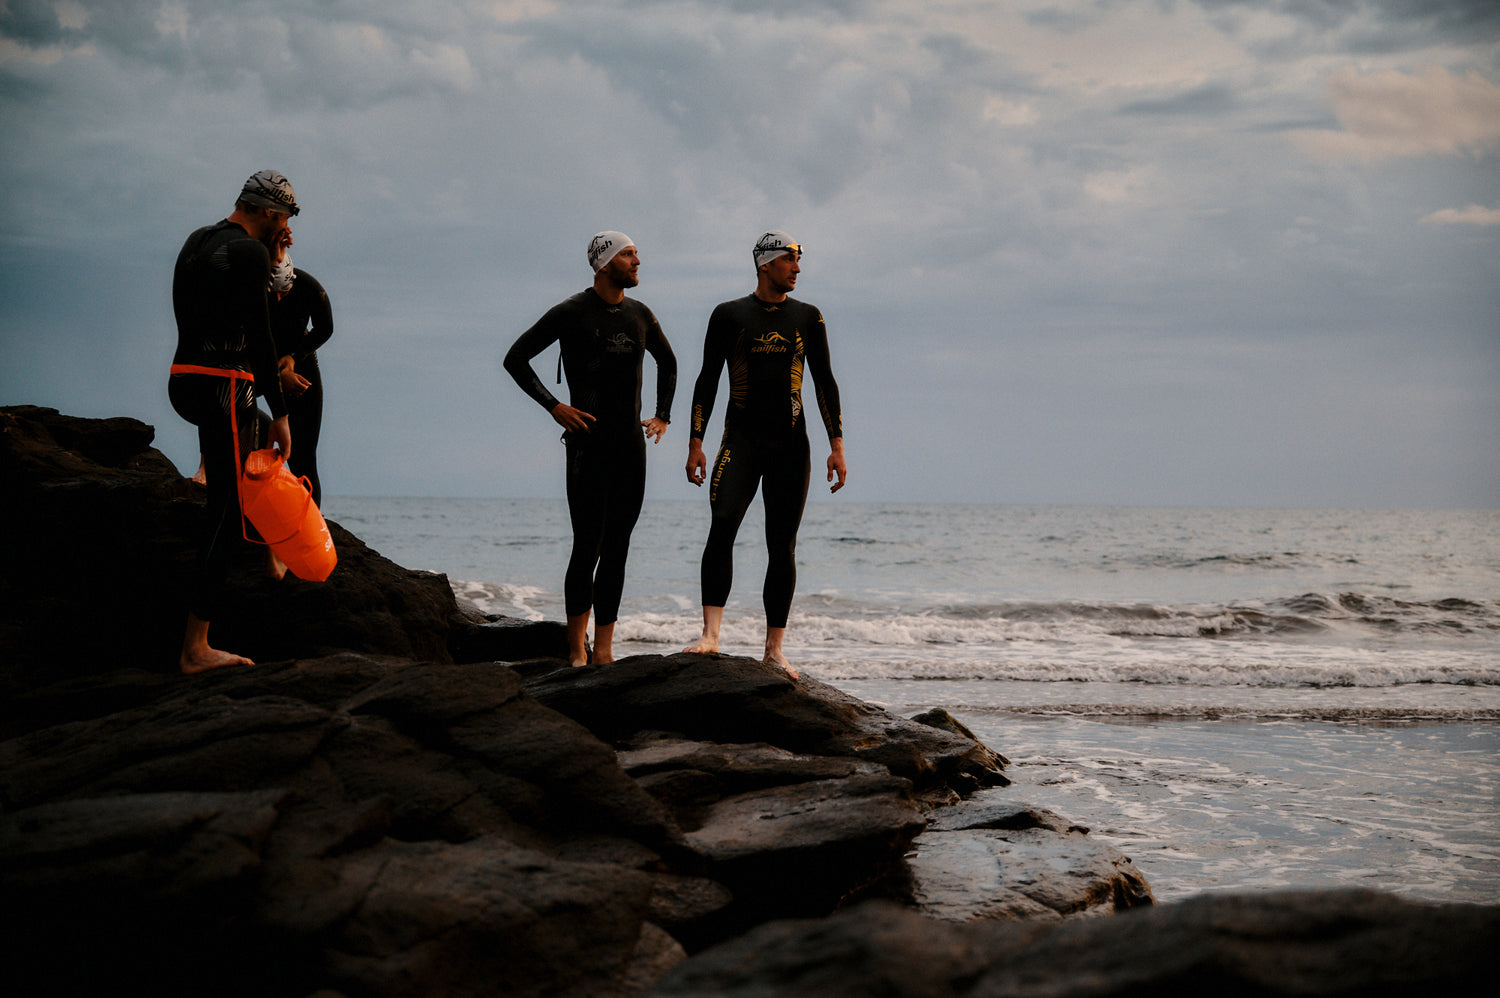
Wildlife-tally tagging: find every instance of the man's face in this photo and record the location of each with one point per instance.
(782, 272)
(621, 271)
(272, 224)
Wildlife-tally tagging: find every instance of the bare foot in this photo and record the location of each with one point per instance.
(578, 640)
(775, 638)
(204, 659)
(776, 658)
(708, 642)
(604, 644)
(198, 656)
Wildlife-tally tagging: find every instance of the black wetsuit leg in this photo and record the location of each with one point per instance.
(306, 420)
(783, 489)
(606, 482)
(781, 470)
(204, 401)
(732, 484)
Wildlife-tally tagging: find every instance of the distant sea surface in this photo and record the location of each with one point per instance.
(1239, 699)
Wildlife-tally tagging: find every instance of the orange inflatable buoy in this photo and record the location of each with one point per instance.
(281, 507)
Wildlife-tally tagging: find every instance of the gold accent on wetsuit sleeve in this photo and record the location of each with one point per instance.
(794, 376)
(739, 378)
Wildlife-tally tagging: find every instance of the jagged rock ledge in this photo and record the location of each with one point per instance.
(409, 797)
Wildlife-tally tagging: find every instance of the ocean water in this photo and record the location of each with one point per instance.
(1239, 699)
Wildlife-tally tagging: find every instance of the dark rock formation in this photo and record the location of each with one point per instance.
(358, 821)
(349, 822)
(409, 797)
(104, 521)
(380, 807)
(1307, 943)
(713, 697)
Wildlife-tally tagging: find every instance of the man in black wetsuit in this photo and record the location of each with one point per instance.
(604, 336)
(301, 322)
(766, 339)
(225, 355)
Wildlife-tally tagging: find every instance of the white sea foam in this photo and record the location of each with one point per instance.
(508, 600)
(1079, 648)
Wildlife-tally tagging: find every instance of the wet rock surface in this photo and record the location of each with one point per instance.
(999, 859)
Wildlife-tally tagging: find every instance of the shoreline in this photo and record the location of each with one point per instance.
(1414, 701)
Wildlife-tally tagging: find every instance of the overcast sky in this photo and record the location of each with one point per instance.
(1185, 252)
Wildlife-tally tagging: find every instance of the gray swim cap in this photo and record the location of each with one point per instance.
(773, 244)
(270, 189)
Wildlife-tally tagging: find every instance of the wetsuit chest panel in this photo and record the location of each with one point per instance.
(766, 362)
(602, 356)
(601, 352)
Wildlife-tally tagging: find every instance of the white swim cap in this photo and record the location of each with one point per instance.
(773, 244)
(282, 275)
(270, 189)
(605, 247)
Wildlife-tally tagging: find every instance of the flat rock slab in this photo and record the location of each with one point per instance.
(723, 698)
(980, 874)
(821, 816)
(691, 776)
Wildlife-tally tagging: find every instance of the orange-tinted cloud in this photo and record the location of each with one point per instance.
(1389, 114)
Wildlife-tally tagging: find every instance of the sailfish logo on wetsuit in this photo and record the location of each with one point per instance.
(621, 342)
(772, 342)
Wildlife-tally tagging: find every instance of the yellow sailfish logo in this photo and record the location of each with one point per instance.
(772, 342)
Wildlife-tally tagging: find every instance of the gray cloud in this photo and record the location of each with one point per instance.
(1092, 252)
(1460, 20)
(1208, 99)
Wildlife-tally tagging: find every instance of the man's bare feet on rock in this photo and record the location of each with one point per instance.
(780, 659)
(708, 642)
(775, 637)
(604, 644)
(211, 658)
(578, 640)
(198, 656)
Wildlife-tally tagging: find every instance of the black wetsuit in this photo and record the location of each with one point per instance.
(765, 346)
(602, 347)
(219, 291)
(306, 304)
